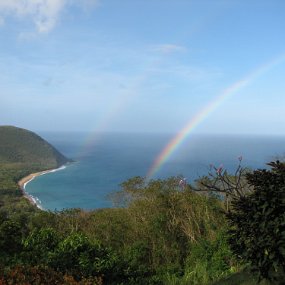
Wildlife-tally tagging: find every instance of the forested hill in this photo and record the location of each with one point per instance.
(23, 147)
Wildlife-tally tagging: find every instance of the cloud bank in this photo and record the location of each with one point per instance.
(43, 13)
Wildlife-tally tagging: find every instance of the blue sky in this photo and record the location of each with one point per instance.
(142, 65)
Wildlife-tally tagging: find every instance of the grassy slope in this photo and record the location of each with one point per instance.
(22, 152)
(20, 147)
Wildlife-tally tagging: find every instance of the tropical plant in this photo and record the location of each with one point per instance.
(258, 223)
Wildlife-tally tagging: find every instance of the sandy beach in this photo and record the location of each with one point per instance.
(24, 181)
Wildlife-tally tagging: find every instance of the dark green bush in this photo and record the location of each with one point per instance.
(258, 223)
(10, 238)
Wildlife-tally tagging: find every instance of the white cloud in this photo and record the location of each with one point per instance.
(47, 13)
(44, 13)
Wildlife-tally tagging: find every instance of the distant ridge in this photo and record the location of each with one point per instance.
(22, 147)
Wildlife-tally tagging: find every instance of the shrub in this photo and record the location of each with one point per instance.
(257, 223)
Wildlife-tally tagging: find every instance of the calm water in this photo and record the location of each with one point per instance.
(113, 158)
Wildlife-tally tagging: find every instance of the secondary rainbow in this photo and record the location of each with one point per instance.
(124, 98)
(206, 112)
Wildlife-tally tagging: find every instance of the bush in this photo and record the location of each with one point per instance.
(209, 261)
(39, 245)
(10, 238)
(257, 223)
(26, 275)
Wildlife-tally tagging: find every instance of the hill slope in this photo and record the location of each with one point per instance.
(22, 147)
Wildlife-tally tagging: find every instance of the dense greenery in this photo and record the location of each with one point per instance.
(163, 235)
(258, 223)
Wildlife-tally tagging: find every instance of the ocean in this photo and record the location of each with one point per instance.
(104, 160)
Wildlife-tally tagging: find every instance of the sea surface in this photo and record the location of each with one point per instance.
(104, 160)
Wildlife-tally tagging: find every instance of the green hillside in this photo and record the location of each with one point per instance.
(22, 147)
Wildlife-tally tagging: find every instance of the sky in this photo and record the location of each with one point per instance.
(143, 65)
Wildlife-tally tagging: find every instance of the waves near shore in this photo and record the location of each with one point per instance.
(24, 181)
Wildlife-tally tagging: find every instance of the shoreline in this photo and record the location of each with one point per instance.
(27, 179)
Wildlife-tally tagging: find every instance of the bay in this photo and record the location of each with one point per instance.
(104, 160)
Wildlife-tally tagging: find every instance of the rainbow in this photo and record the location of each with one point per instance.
(124, 100)
(114, 110)
(174, 144)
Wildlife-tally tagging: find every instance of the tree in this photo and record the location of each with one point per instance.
(39, 245)
(78, 256)
(10, 238)
(257, 221)
(225, 185)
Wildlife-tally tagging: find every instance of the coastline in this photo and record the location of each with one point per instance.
(25, 180)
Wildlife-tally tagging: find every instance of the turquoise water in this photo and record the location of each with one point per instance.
(113, 158)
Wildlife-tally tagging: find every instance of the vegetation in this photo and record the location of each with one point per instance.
(258, 223)
(22, 153)
(163, 236)
(20, 148)
(215, 232)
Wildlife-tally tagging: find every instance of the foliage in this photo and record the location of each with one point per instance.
(28, 275)
(78, 256)
(152, 236)
(244, 277)
(207, 261)
(221, 184)
(21, 153)
(74, 255)
(25, 148)
(10, 239)
(258, 222)
(39, 244)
